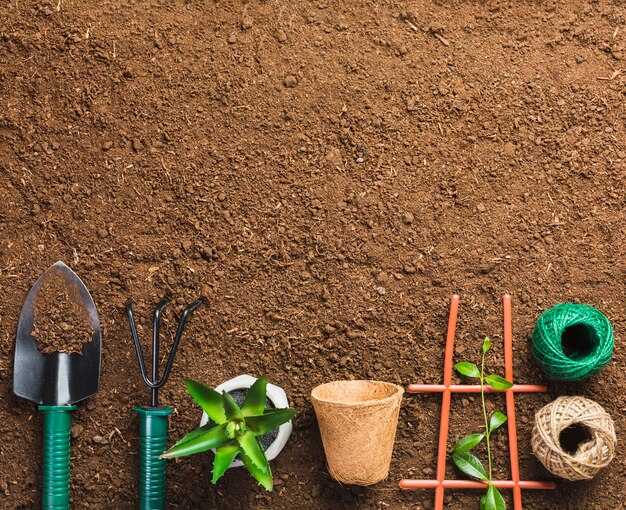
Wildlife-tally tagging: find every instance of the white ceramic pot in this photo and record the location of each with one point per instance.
(276, 395)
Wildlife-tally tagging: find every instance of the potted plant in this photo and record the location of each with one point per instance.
(272, 442)
(233, 430)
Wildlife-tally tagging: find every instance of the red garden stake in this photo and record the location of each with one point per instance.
(447, 388)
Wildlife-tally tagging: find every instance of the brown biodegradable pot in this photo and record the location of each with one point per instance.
(358, 421)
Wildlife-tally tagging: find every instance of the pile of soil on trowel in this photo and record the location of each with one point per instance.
(60, 324)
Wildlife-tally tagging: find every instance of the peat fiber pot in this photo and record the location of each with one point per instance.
(358, 421)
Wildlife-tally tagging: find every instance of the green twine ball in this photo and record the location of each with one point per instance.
(572, 341)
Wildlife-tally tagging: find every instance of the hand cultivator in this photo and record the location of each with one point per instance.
(153, 418)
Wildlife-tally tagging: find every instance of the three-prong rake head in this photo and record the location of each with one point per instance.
(154, 382)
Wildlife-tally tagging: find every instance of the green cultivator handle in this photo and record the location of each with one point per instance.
(152, 443)
(57, 422)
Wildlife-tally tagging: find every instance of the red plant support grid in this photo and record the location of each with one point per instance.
(447, 388)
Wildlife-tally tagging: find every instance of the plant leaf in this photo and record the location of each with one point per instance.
(496, 421)
(195, 433)
(252, 449)
(231, 409)
(254, 403)
(468, 442)
(224, 456)
(265, 478)
(483, 502)
(468, 369)
(270, 420)
(231, 429)
(486, 344)
(497, 382)
(493, 499)
(470, 465)
(212, 438)
(209, 400)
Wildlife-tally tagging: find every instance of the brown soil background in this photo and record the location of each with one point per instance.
(326, 174)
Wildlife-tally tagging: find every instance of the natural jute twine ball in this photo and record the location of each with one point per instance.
(572, 341)
(591, 455)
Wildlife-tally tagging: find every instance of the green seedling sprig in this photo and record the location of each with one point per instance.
(464, 460)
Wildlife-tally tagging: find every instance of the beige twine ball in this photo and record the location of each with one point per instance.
(592, 455)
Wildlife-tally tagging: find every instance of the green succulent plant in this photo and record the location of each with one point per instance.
(233, 430)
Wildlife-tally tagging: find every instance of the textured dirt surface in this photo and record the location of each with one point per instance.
(326, 174)
(61, 324)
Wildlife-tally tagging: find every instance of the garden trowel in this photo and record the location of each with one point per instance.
(56, 381)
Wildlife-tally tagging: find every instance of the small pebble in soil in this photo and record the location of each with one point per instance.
(290, 81)
(316, 491)
(247, 22)
(77, 430)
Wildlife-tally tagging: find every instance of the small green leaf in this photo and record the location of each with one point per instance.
(254, 403)
(468, 442)
(209, 400)
(493, 499)
(231, 429)
(468, 369)
(231, 409)
(486, 344)
(253, 450)
(265, 478)
(497, 382)
(269, 421)
(195, 433)
(224, 457)
(212, 438)
(470, 465)
(483, 502)
(497, 420)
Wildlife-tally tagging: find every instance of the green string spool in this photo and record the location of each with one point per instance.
(572, 341)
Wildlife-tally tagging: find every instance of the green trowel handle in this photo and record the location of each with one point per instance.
(57, 422)
(152, 443)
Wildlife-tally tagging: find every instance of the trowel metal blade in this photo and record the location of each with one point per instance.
(57, 378)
